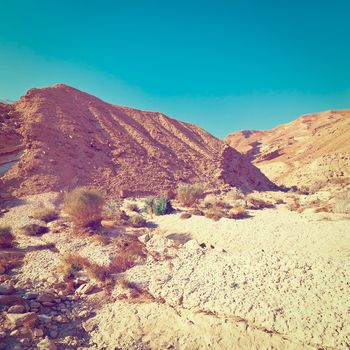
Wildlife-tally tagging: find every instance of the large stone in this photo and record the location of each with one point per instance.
(47, 344)
(6, 290)
(16, 309)
(18, 320)
(85, 288)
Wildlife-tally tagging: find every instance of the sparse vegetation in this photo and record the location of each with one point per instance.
(196, 211)
(185, 215)
(7, 239)
(84, 207)
(133, 207)
(189, 194)
(255, 202)
(158, 206)
(45, 214)
(137, 221)
(215, 213)
(33, 230)
(238, 212)
(121, 218)
(235, 194)
(295, 205)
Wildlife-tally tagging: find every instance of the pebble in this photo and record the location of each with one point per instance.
(16, 309)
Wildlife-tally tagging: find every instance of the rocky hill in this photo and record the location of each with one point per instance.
(57, 138)
(313, 151)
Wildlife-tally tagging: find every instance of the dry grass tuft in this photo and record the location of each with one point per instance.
(215, 213)
(185, 215)
(33, 230)
(137, 221)
(295, 205)
(238, 212)
(189, 194)
(45, 214)
(7, 239)
(133, 207)
(84, 207)
(254, 202)
(196, 211)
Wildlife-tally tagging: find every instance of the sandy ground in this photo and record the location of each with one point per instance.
(276, 280)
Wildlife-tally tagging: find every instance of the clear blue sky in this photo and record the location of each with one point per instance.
(223, 65)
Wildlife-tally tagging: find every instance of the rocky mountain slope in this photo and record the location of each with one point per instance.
(313, 151)
(64, 138)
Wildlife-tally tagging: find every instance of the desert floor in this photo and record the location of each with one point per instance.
(275, 280)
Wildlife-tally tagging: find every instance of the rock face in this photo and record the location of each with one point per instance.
(65, 138)
(312, 151)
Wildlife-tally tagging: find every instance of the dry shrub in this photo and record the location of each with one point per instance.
(235, 194)
(215, 213)
(295, 205)
(84, 207)
(185, 215)
(189, 194)
(342, 202)
(45, 214)
(137, 221)
(196, 211)
(238, 212)
(254, 202)
(10, 259)
(33, 230)
(7, 239)
(133, 207)
(72, 263)
(101, 239)
(121, 218)
(130, 251)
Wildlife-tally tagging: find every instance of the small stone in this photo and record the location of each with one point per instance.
(38, 332)
(16, 309)
(2, 334)
(30, 296)
(144, 238)
(44, 319)
(47, 344)
(47, 303)
(34, 304)
(61, 319)
(6, 290)
(53, 333)
(46, 297)
(85, 289)
(57, 300)
(15, 333)
(2, 270)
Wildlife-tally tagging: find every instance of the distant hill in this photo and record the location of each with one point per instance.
(312, 151)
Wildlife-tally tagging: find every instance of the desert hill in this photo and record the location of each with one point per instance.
(313, 151)
(64, 137)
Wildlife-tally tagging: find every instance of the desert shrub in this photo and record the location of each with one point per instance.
(133, 207)
(235, 194)
(295, 205)
(33, 230)
(84, 207)
(211, 201)
(45, 214)
(121, 218)
(196, 211)
(7, 239)
(185, 215)
(137, 221)
(157, 206)
(189, 194)
(238, 212)
(215, 213)
(342, 202)
(254, 202)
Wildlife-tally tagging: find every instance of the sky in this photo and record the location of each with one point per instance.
(222, 65)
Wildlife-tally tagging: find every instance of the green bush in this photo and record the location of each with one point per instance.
(84, 207)
(158, 206)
